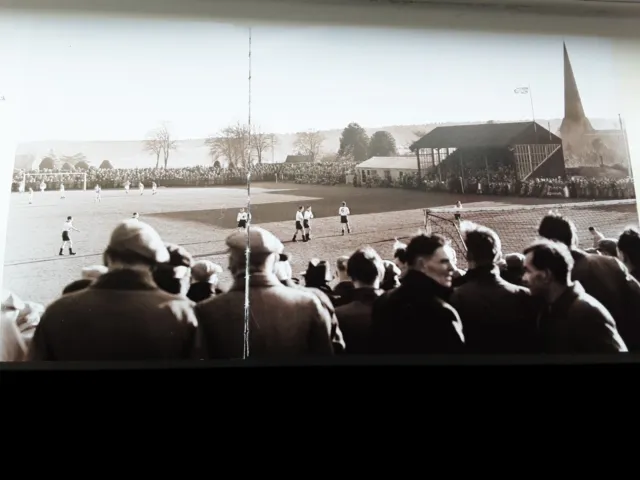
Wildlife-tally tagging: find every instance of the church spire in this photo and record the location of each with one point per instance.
(574, 116)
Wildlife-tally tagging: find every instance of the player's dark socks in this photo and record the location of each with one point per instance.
(71, 252)
(61, 252)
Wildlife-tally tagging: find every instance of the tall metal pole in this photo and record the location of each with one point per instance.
(247, 306)
(533, 113)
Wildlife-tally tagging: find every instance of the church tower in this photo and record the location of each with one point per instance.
(575, 123)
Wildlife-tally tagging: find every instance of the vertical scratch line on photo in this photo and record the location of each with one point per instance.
(247, 307)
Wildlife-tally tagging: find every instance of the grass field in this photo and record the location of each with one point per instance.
(201, 218)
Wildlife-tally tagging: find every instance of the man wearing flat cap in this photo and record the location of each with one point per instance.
(284, 322)
(122, 315)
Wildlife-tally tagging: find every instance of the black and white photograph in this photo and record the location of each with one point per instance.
(214, 190)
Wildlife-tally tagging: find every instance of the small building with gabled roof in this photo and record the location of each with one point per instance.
(391, 168)
(532, 150)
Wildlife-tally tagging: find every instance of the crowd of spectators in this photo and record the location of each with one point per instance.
(501, 181)
(152, 301)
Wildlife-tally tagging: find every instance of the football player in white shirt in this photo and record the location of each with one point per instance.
(127, 186)
(242, 219)
(30, 195)
(154, 188)
(344, 213)
(43, 186)
(141, 188)
(307, 216)
(62, 190)
(21, 187)
(66, 238)
(98, 191)
(299, 225)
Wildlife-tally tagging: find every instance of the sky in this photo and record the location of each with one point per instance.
(95, 79)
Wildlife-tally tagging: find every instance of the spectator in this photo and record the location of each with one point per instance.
(608, 247)
(89, 275)
(19, 321)
(205, 276)
(174, 276)
(513, 268)
(366, 270)
(284, 321)
(629, 250)
(344, 289)
(415, 318)
(574, 322)
(391, 277)
(123, 315)
(497, 316)
(604, 278)
(400, 256)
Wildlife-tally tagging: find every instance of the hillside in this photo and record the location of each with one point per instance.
(130, 154)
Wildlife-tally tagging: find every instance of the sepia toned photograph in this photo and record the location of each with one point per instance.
(190, 190)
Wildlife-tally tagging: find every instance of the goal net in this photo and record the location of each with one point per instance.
(517, 225)
(71, 180)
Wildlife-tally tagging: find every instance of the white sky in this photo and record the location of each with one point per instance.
(83, 78)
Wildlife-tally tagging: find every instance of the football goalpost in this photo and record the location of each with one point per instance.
(517, 225)
(60, 175)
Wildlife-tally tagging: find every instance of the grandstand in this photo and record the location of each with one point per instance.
(526, 148)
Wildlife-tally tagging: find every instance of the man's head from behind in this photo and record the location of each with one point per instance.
(135, 245)
(484, 247)
(429, 254)
(341, 268)
(174, 276)
(365, 268)
(547, 267)
(629, 248)
(265, 251)
(559, 229)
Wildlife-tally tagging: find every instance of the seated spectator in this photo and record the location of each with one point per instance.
(365, 268)
(174, 276)
(205, 276)
(123, 315)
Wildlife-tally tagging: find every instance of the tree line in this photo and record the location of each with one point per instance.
(238, 145)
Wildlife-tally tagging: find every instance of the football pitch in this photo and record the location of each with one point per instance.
(201, 218)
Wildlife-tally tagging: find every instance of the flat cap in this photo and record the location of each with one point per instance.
(134, 236)
(260, 241)
(204, 270)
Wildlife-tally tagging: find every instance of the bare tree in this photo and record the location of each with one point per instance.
(309, 143)
(232, 144)
(260, 143)
(153, 145)
(164, 137)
